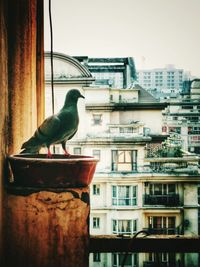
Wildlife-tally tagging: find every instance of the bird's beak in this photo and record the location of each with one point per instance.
(81, 96)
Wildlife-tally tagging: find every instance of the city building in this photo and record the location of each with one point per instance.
(142, 181)
(111, 72)
(165, 82)
(182, 116)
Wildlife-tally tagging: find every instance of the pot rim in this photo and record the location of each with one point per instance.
(36, 157)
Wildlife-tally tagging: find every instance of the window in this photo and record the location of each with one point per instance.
(96, 153)
(97, 257)
(124, 226)
(162, 258)
(77, 150)
(161, 194)
(124, 160)
(162, 225)
(175, 130)
(96, 189)
(193, 130)
(97, 120)
(96, 222)
(131, 259)
(175, 118)
(194, 119)
(162, 189)
(124, 195)
(194, 139)
(187, 107)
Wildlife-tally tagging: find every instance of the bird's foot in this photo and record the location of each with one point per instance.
(66, 153)
(49, 155)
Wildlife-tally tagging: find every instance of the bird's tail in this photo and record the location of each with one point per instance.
(31, 150)
(30, 147)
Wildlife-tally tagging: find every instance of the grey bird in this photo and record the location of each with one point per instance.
(56, 129)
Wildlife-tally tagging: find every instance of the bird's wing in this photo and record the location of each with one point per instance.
(45, 132)
(49, 128)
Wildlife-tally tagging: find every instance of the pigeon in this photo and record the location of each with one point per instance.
(56, 129)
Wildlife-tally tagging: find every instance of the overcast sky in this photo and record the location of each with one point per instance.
(153, 32)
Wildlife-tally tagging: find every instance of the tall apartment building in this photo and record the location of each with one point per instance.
(163, 82)
(133, 188)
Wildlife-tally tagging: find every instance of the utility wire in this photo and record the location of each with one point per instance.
(51, 52)
(52, 70)
(130, 245)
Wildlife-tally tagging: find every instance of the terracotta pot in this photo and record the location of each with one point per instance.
(58, 172)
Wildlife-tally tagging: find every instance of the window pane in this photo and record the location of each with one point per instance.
(134, 188)
(121, 156)
(158, 189)
(171, 222)
(128, 259)
(157, 222)
(96, 189)
(114, 226)
(96, 222)
(128, 156)
(114, 160)
(96, 257)
(134, 225)
(164, 222)
(114, 191)
(171, 188)
(123, 160)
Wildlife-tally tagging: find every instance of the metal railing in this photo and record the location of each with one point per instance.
(159, 264)
(167, 200)
(161, 231)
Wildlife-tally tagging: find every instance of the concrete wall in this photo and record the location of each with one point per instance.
(190, 209)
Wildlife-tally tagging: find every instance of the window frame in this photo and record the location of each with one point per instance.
(96, 189)
(133, 225)
(116, 156)
(131, 199)
(96, 222)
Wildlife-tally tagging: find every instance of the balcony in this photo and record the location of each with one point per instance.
(158, 264)
(177, 165)
(171, 200)
(161, 231)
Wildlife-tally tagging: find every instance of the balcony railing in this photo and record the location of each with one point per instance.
(167, 200)
(188, 165)
(161, 231)
(159, 264)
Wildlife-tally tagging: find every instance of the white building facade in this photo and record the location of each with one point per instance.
(131, 190)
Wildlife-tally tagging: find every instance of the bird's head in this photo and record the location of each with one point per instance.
(72, 96)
